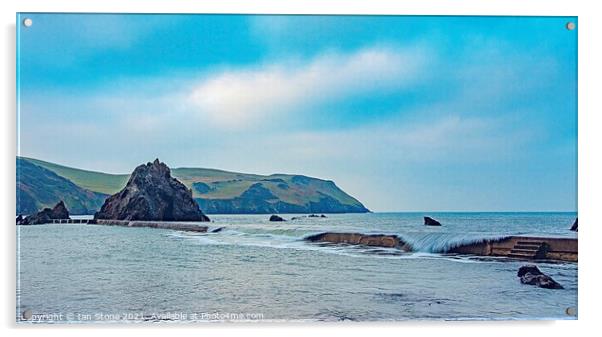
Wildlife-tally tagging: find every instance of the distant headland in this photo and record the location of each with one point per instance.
(42, 184)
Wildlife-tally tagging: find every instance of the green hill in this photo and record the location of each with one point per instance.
(226, 192)
(38, 188)
(93, 181)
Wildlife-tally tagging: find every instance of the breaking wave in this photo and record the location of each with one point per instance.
(444, 242)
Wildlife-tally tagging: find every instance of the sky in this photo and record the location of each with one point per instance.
(404, 113)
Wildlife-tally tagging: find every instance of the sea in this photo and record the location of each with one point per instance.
(254, 270)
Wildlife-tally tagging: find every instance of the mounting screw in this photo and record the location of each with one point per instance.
(27, 22)
(570, 25)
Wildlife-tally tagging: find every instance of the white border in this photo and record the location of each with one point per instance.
(590, 166)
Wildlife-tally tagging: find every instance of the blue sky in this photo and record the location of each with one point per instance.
(404, 113)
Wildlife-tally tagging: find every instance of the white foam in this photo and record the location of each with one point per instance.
(444, 242)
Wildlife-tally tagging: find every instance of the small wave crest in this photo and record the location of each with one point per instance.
(444, 242)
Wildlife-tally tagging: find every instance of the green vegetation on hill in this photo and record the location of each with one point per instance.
(219, 191)
(38, 188)
(90, 180)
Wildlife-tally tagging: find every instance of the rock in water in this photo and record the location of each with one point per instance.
(276, 218)
(530, 274)
(59, 211)
(574, 227)
(152, 194)
(431, 222)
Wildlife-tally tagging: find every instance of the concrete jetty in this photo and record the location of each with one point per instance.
(518, 247)
(524, 247)
(375, 240)
(179, 226)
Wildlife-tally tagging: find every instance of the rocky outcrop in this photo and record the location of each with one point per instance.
(275, 217)
(431, 222)
(152, 194)
(376, 240)
(59, 211)
(574, 226)
(530, 274)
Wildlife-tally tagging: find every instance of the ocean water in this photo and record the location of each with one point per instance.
(256, 270)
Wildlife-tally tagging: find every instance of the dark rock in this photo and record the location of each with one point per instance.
(313, 216)
(274, 217)
(217, 230)
(59, 211)
(20, 219)
(297, 217)
(574, 227)
(152, 194)
(431, 222)
(322, 216)
(530, 274)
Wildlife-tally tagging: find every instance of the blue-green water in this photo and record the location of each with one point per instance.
(259, 270)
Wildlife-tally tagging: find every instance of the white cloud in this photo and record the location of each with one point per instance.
(241, 97)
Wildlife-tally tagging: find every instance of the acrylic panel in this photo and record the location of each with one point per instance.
(241, 168)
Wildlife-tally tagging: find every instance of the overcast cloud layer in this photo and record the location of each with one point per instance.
(403, 113)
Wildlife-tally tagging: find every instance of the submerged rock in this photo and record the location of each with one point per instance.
(152, 194)
(59, 211)
(275, 217)
(431, 222)
(217, 230)
(574, 227)
(530, 274)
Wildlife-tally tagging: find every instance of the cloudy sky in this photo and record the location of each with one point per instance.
(404, 113)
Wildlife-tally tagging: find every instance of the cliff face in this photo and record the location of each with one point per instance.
(38, 188)
(152, 193)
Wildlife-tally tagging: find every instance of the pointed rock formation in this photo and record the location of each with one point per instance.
(59, 211)
(152, 194)
(431, 222)
(575, 224)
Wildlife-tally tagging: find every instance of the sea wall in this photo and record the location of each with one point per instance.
(375, 240)
(180, 226)
(563, 249)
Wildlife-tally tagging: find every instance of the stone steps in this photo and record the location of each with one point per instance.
(527, 250)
